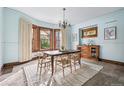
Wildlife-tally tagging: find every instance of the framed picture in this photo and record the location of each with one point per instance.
(110, 33)
(89, 32)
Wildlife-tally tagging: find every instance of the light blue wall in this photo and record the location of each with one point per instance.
(11, 29)
(1, 35)
(109, 49)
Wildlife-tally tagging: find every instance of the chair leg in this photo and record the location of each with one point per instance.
(75, 66)
(45, 67)
(55, 66)
(40, 72)
(63, 72)
(48, 65)
(40, 69)
(79, 63)
(71, 67)
(37, 67)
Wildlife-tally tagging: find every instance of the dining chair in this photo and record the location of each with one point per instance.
(43, 62)
(63, 62)
(75, 58)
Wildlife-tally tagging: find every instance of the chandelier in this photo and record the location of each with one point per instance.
(64, 23)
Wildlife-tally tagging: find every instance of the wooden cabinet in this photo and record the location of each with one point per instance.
(90, 52)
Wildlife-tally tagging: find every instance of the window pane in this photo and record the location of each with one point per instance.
(58, 39)
(45, 39)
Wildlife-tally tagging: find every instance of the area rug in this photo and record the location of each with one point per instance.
(76, 78)
(27, 75)
(14, 79)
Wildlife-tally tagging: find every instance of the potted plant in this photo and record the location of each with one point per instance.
(62, 48)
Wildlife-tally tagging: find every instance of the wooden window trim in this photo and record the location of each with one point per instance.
(35, 39)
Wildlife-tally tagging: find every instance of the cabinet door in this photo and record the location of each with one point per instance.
(85, 52)
(94, 51)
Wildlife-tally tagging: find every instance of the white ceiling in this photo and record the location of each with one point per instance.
(74, 15)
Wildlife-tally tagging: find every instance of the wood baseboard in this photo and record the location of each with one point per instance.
(112, 62)
(1, 69)
(10, 65)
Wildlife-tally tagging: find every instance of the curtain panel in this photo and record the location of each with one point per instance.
(65, 38)
(25, 40)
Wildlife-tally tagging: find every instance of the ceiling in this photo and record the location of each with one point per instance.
(74, 15)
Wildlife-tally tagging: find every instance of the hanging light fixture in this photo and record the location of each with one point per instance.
(64, 23)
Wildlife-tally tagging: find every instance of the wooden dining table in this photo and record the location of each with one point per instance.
(54, 53)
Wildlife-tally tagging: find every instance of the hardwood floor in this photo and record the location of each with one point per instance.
(110, 75)
(6, 70)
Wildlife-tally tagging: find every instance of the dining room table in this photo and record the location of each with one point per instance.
(54, 53)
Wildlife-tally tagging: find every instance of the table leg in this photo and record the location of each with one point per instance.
(52, 64)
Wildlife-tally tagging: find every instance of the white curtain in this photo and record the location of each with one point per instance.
(25, 40)
(65, 38)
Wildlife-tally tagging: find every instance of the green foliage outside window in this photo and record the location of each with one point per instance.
(45, 43)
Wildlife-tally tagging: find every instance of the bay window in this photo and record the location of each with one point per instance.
(45, 38)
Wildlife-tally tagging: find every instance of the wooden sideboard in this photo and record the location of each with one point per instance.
(90, 52)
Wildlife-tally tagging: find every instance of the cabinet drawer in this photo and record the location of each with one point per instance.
(85, 56)
(84, 48)
(84, 51)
